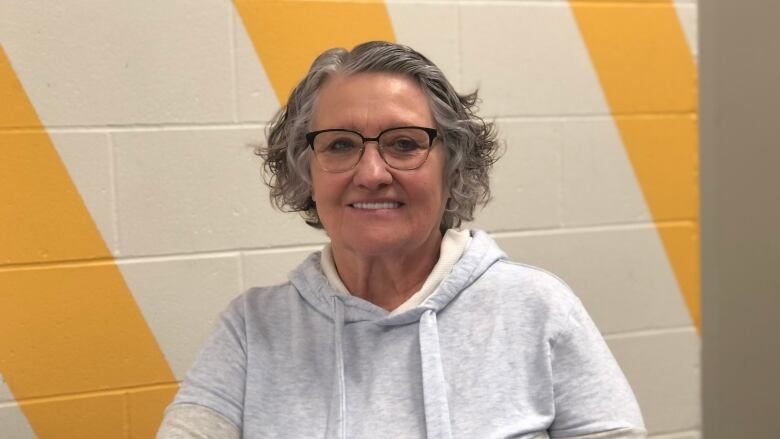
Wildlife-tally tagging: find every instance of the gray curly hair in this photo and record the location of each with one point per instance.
(471, 145)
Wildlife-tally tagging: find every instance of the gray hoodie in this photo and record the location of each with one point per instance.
(500, 350)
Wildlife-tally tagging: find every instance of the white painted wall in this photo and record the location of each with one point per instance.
(153, 107)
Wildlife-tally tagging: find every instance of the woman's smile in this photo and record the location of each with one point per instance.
(376, 205)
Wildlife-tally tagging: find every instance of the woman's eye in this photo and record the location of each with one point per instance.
(341, 145)
(405, 145)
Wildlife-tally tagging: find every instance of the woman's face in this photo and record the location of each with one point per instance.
(412, 202)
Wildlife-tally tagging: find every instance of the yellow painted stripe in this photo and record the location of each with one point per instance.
(66, 330)
(645, 67)
(288, 35)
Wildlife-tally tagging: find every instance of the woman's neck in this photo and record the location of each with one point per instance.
(387, 280)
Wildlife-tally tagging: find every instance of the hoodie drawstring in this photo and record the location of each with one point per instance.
(337, 421)
(437, 411)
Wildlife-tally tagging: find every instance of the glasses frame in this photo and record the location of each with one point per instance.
(432, 135)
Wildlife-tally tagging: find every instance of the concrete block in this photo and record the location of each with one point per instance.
(194, 190)
(599, 185)
(99, 63)
(271, 267)
(527, 58)
(255, 99)
(43, 213)
(75, 329)
(87, 157)
(622, 275)
(181, 299)
(431, 29)
(664, 370)
(526, 181)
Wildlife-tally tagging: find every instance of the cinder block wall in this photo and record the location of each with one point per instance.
(132, 208)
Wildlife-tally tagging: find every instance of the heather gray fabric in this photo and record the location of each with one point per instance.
(499, 350)
(187, 421)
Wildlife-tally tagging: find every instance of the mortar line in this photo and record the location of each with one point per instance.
(605, 227)
(90, 393)
(649, 332)
(112, 167)
(186, 126)
(232, 28)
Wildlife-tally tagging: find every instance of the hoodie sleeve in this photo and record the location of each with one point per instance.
(217, 379)
(591, 394)
(185, 421)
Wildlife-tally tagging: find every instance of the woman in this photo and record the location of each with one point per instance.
(403, 326)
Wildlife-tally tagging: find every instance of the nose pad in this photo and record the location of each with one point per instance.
(372, 153)
(372, 170)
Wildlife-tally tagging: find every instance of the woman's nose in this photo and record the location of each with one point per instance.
(372, 171)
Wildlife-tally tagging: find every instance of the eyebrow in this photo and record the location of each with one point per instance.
(353, 127)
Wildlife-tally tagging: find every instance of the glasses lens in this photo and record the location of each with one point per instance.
(337, 150)
(405, 148)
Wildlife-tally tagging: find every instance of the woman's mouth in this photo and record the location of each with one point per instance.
(374, 206)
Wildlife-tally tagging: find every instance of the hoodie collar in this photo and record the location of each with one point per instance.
(313, 286)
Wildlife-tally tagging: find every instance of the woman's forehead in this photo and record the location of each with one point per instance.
(371, 101)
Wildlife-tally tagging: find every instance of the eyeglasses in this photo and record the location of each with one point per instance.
(403, 148)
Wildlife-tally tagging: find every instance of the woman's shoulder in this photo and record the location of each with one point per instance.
(268, 292)
(265, 298)
(530, 281)
(527, 294)
(282, 293)
(498, 271)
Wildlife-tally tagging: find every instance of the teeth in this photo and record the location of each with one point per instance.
(385, 205)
